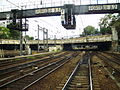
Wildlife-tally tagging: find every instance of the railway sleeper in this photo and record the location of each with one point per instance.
(59, 88)
(82, 73)
(12, 88)
(16, 86)
(62, 84)
(96, 86)
(70, 88)
(79, 82)
(81, 78)
(23, 82)
(78, 85)
(97, 89)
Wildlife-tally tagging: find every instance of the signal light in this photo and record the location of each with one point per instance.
(67, 17)
(14, 12)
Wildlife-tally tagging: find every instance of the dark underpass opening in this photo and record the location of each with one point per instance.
(93, 46)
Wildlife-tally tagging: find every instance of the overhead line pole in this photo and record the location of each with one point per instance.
(107, 1)
(90, 1)
(97, 1)
(38, 37)
(21, 37)
(21, 15)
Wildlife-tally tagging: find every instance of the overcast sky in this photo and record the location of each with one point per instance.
(53, 24)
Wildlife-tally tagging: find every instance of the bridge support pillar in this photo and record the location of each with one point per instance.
(28, 49)
(114, 39)
(1, 53)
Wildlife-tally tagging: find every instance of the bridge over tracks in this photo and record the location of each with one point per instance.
(88, 39)
(82, 43)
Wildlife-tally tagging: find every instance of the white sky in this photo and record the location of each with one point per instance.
(53, 24)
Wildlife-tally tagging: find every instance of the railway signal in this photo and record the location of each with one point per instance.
(67, 17)
(18, 25)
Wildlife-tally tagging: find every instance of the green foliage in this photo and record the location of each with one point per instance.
(4, 33)
(104, 30)
(14, 34)
(30, 57)
(90, 30)
(107, 21)
(17, 59)
(29, 38)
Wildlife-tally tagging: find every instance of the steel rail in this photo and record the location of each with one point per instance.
(116, 69)
(54, 63)
(117, 56)
(70, 78)
(6, 79)
(12, 61)
(90, 74)
(108, 59)
(75, 70)
(44, 75)
(25, 65)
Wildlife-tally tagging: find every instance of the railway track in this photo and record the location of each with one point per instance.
(112, 57)
(19, 60)
(27, 80)
(81, 77)
(112, 63)
(111, 66)
(25, 63)
(29, 67)
(116, 56)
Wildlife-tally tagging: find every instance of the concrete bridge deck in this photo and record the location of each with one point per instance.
(100, 38)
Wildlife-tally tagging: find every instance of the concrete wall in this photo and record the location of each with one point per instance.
(55, 48)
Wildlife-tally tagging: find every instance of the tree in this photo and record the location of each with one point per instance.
(29, 38)
(90, 30)
(9, 33)
(14, 34)
(107, 21)
(4, 33)
(104, 30)
(116, 22)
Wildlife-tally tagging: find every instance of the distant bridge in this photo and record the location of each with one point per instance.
(101, 42)
(88, 39)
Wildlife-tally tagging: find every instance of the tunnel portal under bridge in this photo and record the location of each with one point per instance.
(94, 46)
